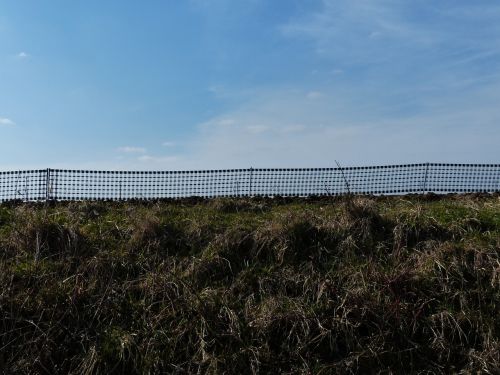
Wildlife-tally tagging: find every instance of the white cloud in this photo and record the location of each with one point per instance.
(6, 122)
(23, 55)
(158, 159)
(218, 91)
(378, 32)
(314, 95)
(296, 128)
(168, 144)
(375, 34)
(132, 150)
(304, 133)
(257, 129)
(226, 122)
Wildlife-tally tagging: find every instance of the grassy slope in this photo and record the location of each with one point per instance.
(234, 286)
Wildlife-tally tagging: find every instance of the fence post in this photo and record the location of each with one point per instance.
(424, 190)
(47, 185)
(250, 187)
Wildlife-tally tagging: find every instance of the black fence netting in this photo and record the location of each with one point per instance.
(62, 184)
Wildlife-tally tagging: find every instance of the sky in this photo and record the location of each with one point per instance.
(215, 84)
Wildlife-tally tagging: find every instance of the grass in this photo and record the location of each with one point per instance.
(300, 286)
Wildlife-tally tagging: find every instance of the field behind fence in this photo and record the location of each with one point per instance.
(63, 184)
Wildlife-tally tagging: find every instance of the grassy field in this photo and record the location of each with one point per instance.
(313, 286)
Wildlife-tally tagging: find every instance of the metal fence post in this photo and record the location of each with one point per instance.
(424, 190)
(250, 187)
(47, 185)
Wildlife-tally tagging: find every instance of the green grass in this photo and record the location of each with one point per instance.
(309, 286)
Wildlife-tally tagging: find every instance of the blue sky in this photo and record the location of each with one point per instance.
(216, 84)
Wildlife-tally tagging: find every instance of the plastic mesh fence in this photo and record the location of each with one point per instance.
(59, 184)
(25, 185)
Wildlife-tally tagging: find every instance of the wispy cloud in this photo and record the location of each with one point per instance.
(391, 82)
(132, 150)
(23, 55)
(314, 95)
(6, 122)
(257, 129)
(388, 31)
(291, 130)
(164, 160)
(168, 144)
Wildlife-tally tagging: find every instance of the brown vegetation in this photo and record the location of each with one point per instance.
(362, 285)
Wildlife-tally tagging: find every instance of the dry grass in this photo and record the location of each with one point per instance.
(363, 285)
